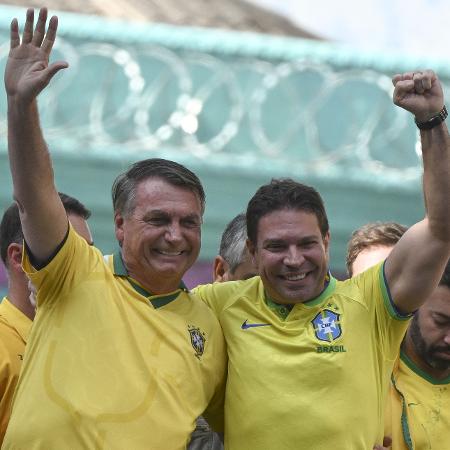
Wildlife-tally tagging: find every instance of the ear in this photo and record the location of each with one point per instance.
(326, 241)
(118, 224)
(220, 269)
(14, 256)
(252, 251)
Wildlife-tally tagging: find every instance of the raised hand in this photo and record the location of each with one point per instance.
(28, 71)
(419, 93)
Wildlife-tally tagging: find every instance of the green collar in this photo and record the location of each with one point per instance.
(283, 310)
(418, 371)
(156, 300)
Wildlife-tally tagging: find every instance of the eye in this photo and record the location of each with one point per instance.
(275, 246)
(156, 221)
(191, 222)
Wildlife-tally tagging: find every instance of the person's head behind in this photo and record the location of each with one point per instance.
(21, 292)
(288, 236)
(371, 244)
(234, 261)
(429, 330)
(11, 228)
(158, 209)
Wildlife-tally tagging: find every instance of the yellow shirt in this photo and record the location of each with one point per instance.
(14, 329)
(315, 380)
(109, 366)
(418, 412)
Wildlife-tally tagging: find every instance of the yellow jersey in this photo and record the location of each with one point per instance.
(108, 365)
(14, 329)
(418, 412)
(315, 377)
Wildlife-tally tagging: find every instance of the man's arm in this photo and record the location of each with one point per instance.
(27, 73)
(417, 262)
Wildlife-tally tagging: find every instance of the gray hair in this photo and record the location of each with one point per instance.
(124, 188)
(233, 242)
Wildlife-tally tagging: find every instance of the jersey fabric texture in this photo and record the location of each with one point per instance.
(418, 412)
(316, 378)
(107, 367)
(14, 329)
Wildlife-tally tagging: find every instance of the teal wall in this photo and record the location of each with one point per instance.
(238, 109)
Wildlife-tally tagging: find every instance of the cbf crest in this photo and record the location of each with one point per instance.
(326, 325)
(198, 340)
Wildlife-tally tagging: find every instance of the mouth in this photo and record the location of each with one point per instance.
(293, 277)
(169, 253)
(442, 353)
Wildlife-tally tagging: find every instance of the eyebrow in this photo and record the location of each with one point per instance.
(441, 315)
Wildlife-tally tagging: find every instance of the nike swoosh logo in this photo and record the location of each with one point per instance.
(246, 325)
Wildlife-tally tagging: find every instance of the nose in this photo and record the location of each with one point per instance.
(173, 233)
(294, 257)
(447, 337)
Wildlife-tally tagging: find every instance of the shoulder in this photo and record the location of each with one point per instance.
(222, 295)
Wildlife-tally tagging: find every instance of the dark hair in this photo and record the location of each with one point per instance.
(284, 194)
(375, 234)
(124, 187)
(445, 280)
(232, 244)
(11, 228)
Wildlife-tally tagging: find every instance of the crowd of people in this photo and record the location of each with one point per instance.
(114, 352)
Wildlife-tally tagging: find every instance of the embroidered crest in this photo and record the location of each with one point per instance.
(326, 325)
(198, 340)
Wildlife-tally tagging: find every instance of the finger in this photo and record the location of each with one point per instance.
(418, 86)
(402, 76)
(15, 36)
(28, 28)
(54, 68)
(39, 31)
(50, 37)
(402, 88)
(396, 78)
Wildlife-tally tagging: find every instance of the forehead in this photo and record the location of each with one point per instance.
(369, 257)
(284, 223)
(157, 194)
(439, 301)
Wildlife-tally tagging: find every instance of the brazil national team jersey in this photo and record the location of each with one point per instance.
(109, 366)
(418, 412)
(14, 329)
(315, 379)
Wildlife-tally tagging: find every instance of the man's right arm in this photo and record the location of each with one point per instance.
(27, 73)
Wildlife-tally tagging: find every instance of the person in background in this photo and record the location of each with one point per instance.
(417, 414)
(17, 309)
(234, 262)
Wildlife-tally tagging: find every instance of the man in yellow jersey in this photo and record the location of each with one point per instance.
(417, 416)
(17, 309)
(120, 355)
(310, 357)
(232, 263)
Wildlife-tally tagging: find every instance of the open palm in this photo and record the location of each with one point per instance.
(27, 71)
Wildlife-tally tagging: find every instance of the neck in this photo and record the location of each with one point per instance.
(19, 296)
(410, 350)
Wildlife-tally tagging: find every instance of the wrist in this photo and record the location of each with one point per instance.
(431, 121)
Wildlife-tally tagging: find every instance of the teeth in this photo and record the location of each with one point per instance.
(297, 277)
(166, 253)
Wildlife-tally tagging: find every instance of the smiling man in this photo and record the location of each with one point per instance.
(309, 356)
(121, 355)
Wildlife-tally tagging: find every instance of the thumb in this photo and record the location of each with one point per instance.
(54, 68)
